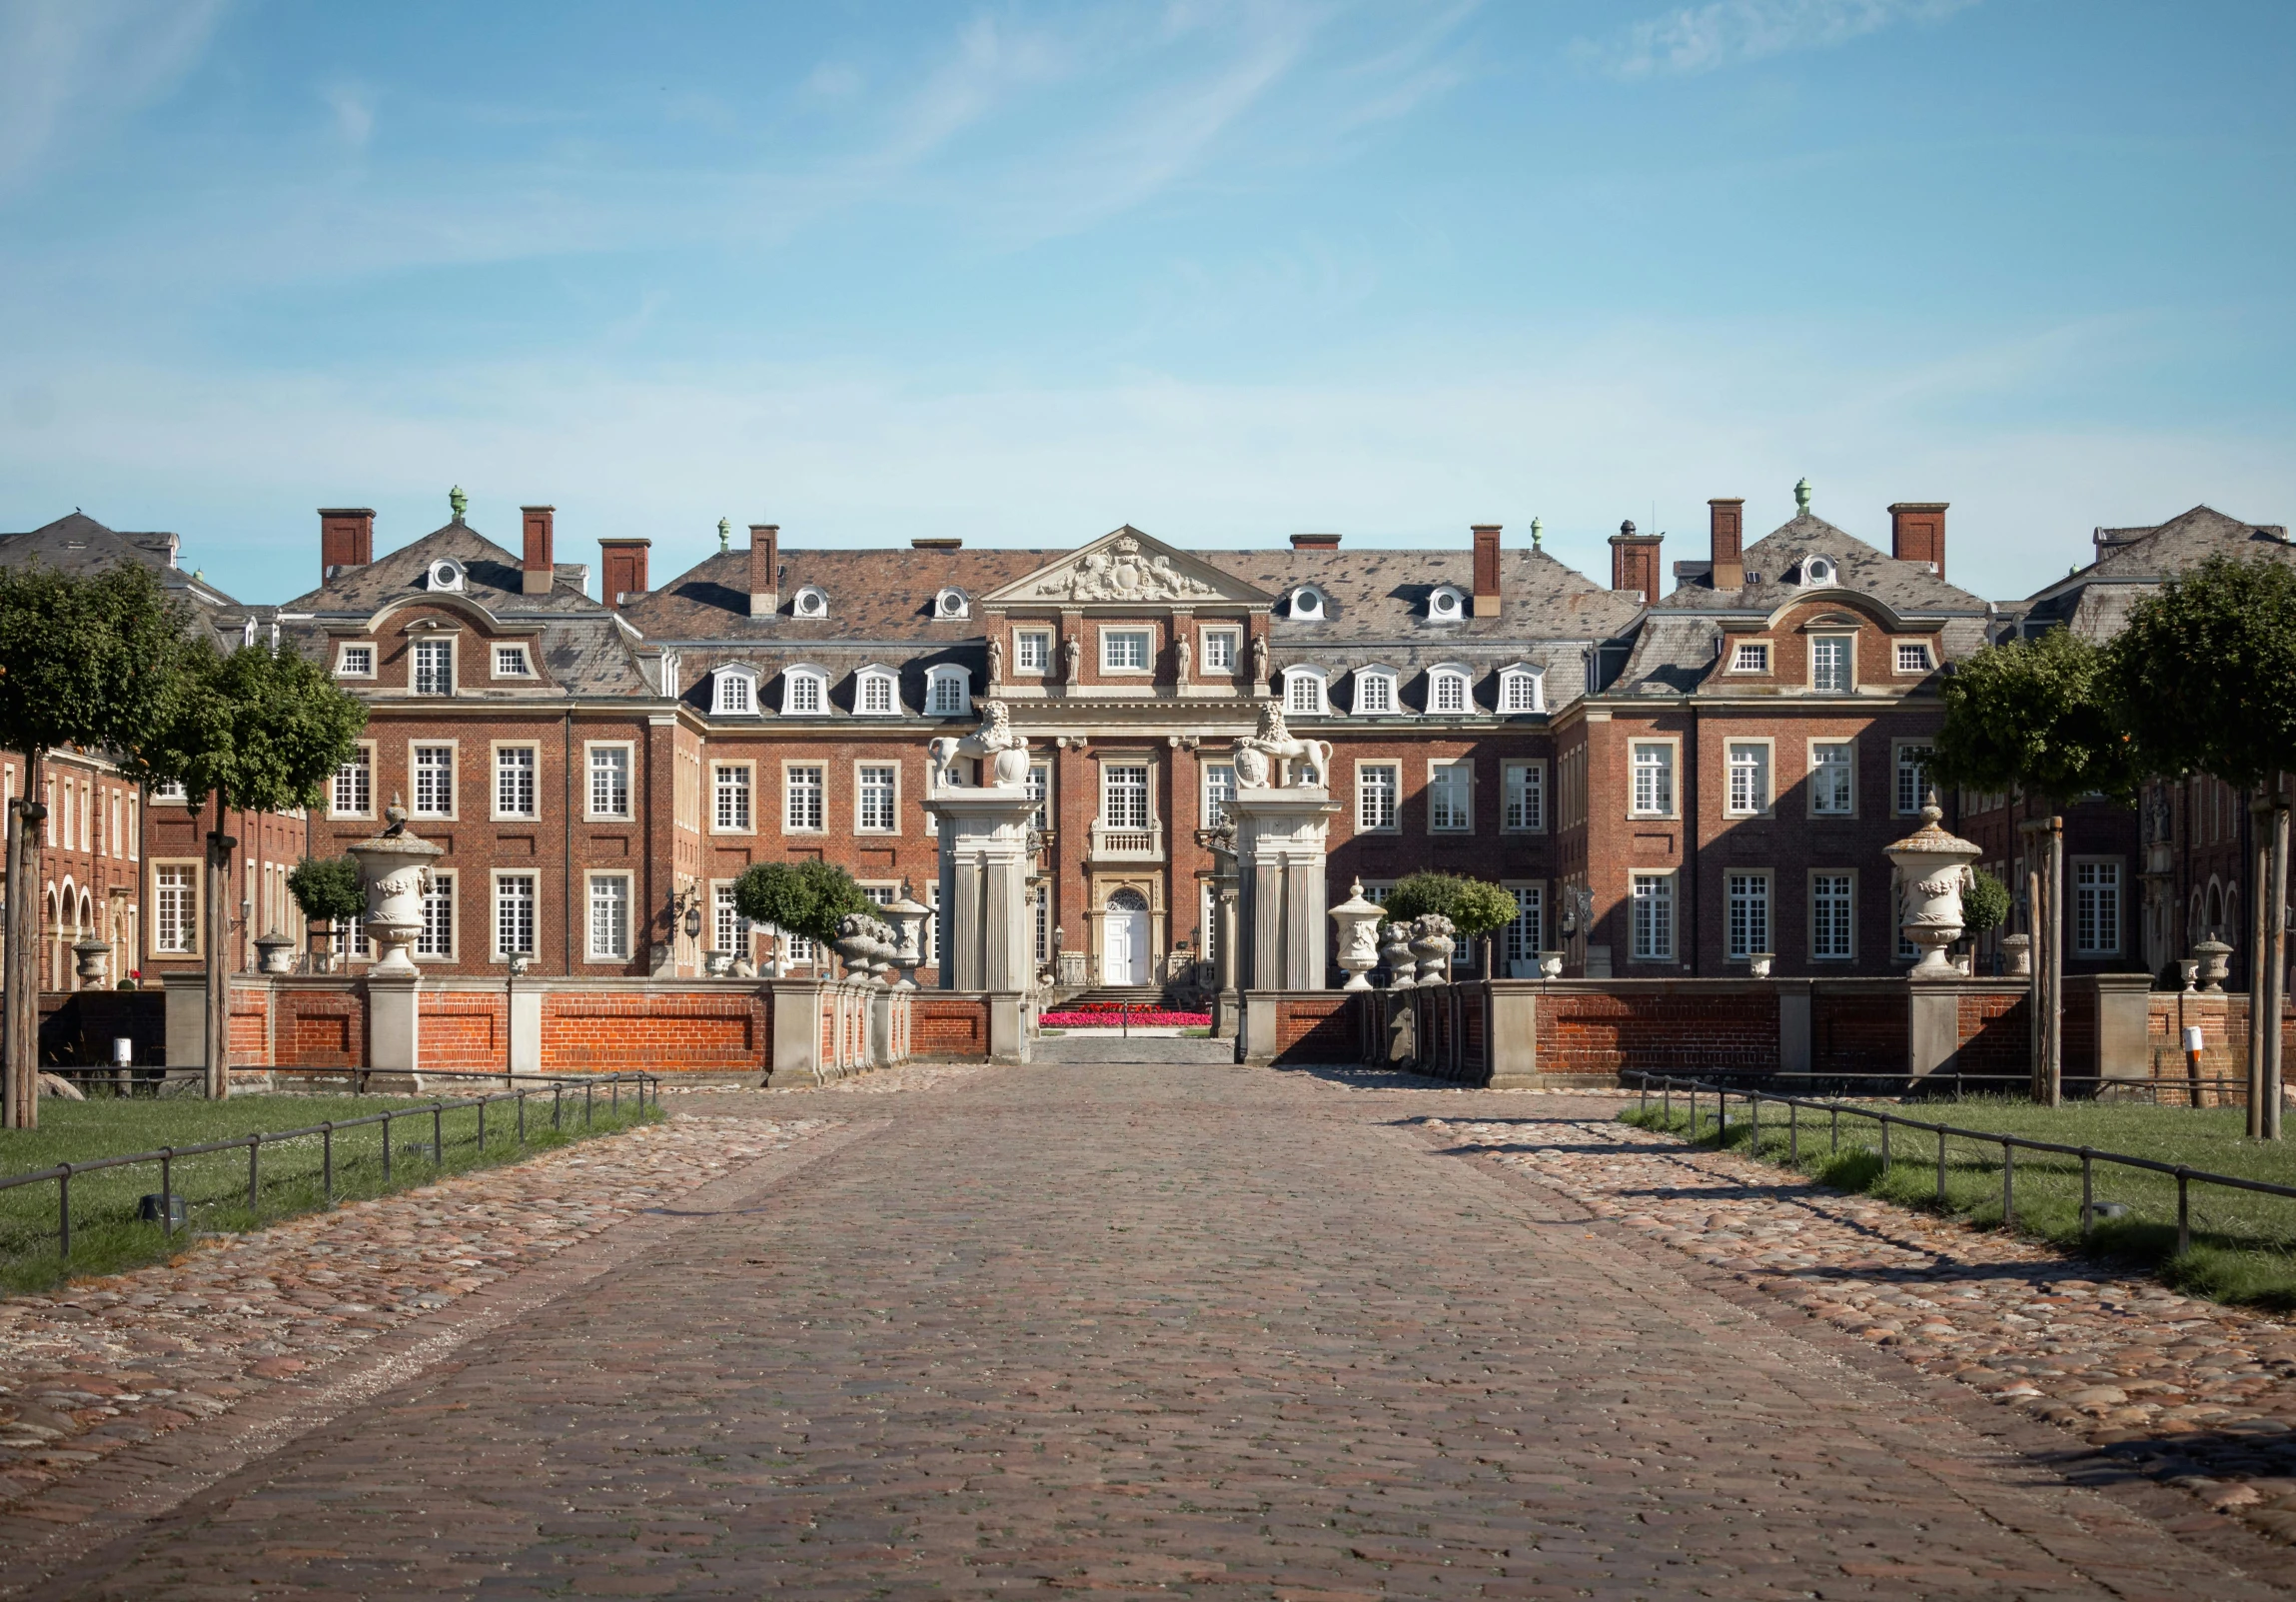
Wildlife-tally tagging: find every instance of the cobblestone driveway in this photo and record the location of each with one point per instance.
(1168, 1329)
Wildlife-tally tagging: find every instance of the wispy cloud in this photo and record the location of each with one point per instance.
(1723, 33)
(353, 109)
(69, 68)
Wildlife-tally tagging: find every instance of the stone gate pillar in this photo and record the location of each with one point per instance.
(987, 851)
(1280, 927)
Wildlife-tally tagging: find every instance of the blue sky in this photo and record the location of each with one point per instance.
(1224, 270)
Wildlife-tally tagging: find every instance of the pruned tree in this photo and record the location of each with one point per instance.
(1984, 903)
(2205, 675)
(327, 889)
(1476, 907)
(807, 898)
(90, 663)
(257, 730)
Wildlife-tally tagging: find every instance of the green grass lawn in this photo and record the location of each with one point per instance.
(2243, 1245)
(107, 1236)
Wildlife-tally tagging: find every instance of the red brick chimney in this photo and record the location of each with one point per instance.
(345, 538)
(1917, 533)
(1486, 569)
(538, 572)
(624, 562)
(1314, 542)
(1634, 561)
(764, 569)
(1727, 517)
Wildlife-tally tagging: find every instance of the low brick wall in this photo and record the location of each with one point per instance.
(77, 1027)
(1316, 1028)
(948, 1023)
(1686, 1027)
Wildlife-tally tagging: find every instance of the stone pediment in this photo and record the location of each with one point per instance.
(1127, 567)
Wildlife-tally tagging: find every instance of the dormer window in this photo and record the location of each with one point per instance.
(1816, 570)
(948, 693)
(804, 693)
(1521, 689)
(951, 602)
(1445, 603)
(736, 693)
(512, 662)
(1304, 692)
(811, 600)
(1447, 690)
(1307, 603)
(1913, 656)
(355, 661)
(446, 574)
(874, 694)
(1373, 693)
(1749, 657)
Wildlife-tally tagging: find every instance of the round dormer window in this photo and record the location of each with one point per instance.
(812, 601)
(1307, 603)
(951, 602)
(1446, 604)
(1817, 571)
(446, 574)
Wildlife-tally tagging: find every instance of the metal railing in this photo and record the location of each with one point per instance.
(1953, 1084)
(166, 1156)
(2186, 1177)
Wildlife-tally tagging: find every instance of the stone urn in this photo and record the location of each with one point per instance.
(1357, 929)
(867, 945)
(1757, 964)
(716, 964)
(2018, 949)
(1549, 964)
(394, 868)
(2187, 975)
(89, 959)
(1432, 943)
(274, 953)
(907, 917)
(1394, 953)
(1932, 867)
(2215, 959)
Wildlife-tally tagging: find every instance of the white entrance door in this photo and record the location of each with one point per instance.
(1124, 956)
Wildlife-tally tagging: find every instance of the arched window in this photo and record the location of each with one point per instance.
(804, 693)
(873, 694)
(734, 693)
(1373, 693)
(1523, 688)
(811, 600)
(1445, 603)
(948, 693)
(1816, 570)
(1304, 692)
(1307, 603)
(1447, 692)
(951, 602)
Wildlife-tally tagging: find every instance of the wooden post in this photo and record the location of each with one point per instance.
(2275, 957)
(2259, 967)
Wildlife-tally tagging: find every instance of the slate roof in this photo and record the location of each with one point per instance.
(1907, 587)
(81, 545)
(2095, 600)
(874, 594)
(584, 647)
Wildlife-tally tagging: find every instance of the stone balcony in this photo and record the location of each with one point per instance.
(1112, 844)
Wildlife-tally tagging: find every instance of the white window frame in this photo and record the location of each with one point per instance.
(1366, 679)
(1146, 793)
(363, 760)
(1924, 660)
(960, 705)
(865, 691)
(515, 651)
(1437, 611)
(1294, 678)
(496, 904)
(1523, 936)
(1817, 766)
(1039, 789)
(415, 750)
(1820, 569)
(1454, 683)
(1817, 947)
(1523, 795)
(1764, 750)
(1669, 769)
(1521, 679)
(792, 792)
(1749, 655)
(733, 691)
(424, 646)
(1110, 634)
(192, 890)
(446, 890)
(1750, 912)
(951, 602)
(736, 782)
(1849, 645)
(1307, 603)
(863, 787)
(1041, 642)
(2097, 879)
(810, 602)
(343, 651)
(803, 683)
(1650, 919)
(497, 752)
(1219, 639)
(592, 880)
(1898, 767)
(590, 750)
(1455, 776)
(1367, 798)
(1218, 791)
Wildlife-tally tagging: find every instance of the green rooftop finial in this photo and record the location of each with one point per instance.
(1536, 530)
(1801, 499)
(458, 502)
(724, 535)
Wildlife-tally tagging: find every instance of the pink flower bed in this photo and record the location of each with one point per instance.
(1140, 1019)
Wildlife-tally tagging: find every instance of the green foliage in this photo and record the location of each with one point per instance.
(260, 729)
(327, 889)
(805, 899)
(1984, 903)
(87, 662)
(2208, 672)
(2038, 714)
(1474, 906)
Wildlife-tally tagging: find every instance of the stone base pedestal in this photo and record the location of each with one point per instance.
(1933, 1034)
(394, 1024)
(1281, 926)
(988, 939)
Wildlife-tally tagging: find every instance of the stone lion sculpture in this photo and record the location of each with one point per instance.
(1258, 752)
(994, 743)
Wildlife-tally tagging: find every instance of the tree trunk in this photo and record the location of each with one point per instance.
(2038, 984)
(218, 965)
(20, 1026)
(2056, 1017)
(2275, 957)
(2260, 1119)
